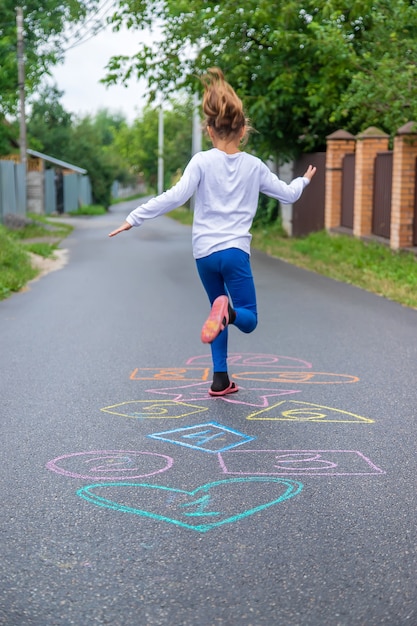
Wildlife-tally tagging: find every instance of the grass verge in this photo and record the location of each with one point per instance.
(369, 265)
(92, 209)
(16, 268)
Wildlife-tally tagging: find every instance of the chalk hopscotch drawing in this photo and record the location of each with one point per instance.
(170, 373)
(196, 383)
(263, 378)
(254, 360)
(210, 437)
(298, 378)
(198, 392)
(110, 464)
(297, 463)
(298, 411)
(154, 409)
(207, 507)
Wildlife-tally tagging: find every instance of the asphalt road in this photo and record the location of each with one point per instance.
(132, 498)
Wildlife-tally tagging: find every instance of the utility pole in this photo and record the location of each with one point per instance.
(197, 135)
(161, 150)
(197, 132)
(21, 82)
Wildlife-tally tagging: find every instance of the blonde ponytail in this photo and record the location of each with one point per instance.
(222, 107)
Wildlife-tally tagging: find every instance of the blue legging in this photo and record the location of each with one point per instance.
(228, 272)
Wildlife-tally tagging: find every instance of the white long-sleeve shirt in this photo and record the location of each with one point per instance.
(227, 188)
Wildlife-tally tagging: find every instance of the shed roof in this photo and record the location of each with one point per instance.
(46, 157)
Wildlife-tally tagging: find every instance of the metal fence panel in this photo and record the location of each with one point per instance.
(50, 192)
(85, 195)
(21, 188)
(70, 192)
(308, 211)
(7, 188)
(348, 190)
(381, 215)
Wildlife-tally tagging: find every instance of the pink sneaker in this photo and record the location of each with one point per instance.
(217, 320)
(231, 388)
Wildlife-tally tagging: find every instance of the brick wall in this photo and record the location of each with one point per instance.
(403, 201)
(366, 146)
(339, 144)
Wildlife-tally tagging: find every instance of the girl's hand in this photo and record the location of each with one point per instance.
(124, 226)
(310, 172)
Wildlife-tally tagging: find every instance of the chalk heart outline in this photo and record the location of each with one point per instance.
(192, 505)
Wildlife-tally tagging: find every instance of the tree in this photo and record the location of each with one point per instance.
(295, 63)
(93, 147)
(88, 142)
(50, 125)
(138, 144)
(383, 88)
(44, 42)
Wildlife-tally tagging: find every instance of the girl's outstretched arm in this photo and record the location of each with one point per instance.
(124, 226)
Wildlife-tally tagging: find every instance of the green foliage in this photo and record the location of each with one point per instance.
(49, 127)
(138, 144)
(182, 215)
(45, 250)
(15, 267)
(302, 69)
(88, 142)
(267, 212)
(383, 88)
(94, 209)
(107, 146)
(44, 24)
(40, 226)
(86, 151)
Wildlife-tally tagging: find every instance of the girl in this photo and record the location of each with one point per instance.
(227, 183)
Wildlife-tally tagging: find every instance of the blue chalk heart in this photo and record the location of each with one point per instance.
(202, 509)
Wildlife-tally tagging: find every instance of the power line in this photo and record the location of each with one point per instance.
(92, 32)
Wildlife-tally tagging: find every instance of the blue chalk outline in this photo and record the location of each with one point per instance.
(244, 438)
(294, 487)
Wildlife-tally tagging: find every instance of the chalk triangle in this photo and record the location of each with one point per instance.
(298, 411)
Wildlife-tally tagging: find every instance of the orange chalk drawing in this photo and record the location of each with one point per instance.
(170, 373)
(312, 378)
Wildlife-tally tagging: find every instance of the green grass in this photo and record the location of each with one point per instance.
(135, 196)
(15, 266)
(93, 209)
(369, 265)
(41, 226)
(46, 250)
(183, 215)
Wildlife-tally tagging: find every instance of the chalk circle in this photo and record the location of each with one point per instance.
(110, 464)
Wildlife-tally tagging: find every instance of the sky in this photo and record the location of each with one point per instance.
(78, 77)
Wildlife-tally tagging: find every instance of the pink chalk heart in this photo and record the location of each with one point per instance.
(202, 509)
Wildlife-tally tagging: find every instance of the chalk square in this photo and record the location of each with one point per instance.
(170, 373)
(297, 463)
(209, 437)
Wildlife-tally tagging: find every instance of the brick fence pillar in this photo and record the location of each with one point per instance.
(403, 186)
(369, 143)
(339, 144)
